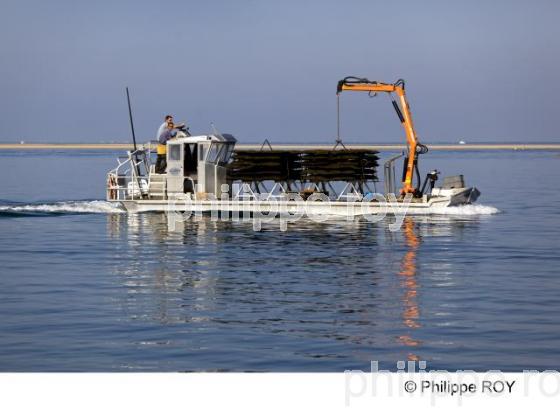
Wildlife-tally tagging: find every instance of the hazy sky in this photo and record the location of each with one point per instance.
(475, 70)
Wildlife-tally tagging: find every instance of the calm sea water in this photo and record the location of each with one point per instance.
(84, 287)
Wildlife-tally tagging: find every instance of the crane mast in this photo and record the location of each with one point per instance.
(402, 109)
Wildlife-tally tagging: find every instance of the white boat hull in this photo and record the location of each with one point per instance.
(452, 197)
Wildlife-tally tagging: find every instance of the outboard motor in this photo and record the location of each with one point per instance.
(432, 177)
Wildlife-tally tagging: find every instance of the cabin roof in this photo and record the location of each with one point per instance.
(225, 138)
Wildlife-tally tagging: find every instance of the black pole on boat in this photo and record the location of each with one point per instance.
(130, 117)
(136, 164)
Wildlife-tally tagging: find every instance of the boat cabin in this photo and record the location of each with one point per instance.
(196, 166)
(198, 163)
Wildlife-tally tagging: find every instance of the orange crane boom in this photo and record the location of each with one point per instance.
(405, 116)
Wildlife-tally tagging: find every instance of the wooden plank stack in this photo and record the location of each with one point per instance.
(341, 165)
(307, 166)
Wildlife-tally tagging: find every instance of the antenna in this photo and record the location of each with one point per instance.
(214, 130)
(130, 117)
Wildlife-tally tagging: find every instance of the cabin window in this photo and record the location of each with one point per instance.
(174, 152)
(227, 153)
(213, 153)
(222, 153)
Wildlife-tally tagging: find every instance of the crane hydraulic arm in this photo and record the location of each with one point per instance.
(405, 116)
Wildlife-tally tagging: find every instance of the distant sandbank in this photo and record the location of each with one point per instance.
(248, 147)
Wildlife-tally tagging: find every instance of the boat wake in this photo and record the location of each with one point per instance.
(467, 210)
(104, 207)
(60, 208)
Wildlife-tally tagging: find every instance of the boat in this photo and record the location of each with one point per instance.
(207, 174)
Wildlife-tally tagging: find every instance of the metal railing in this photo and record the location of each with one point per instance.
(127, 181)
(389, 174)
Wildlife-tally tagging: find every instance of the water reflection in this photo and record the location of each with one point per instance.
(409, 283)
(158, 264)
(344, 283)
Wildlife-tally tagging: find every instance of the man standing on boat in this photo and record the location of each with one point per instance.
(163, 126)
(168, 133)
(165, 132)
